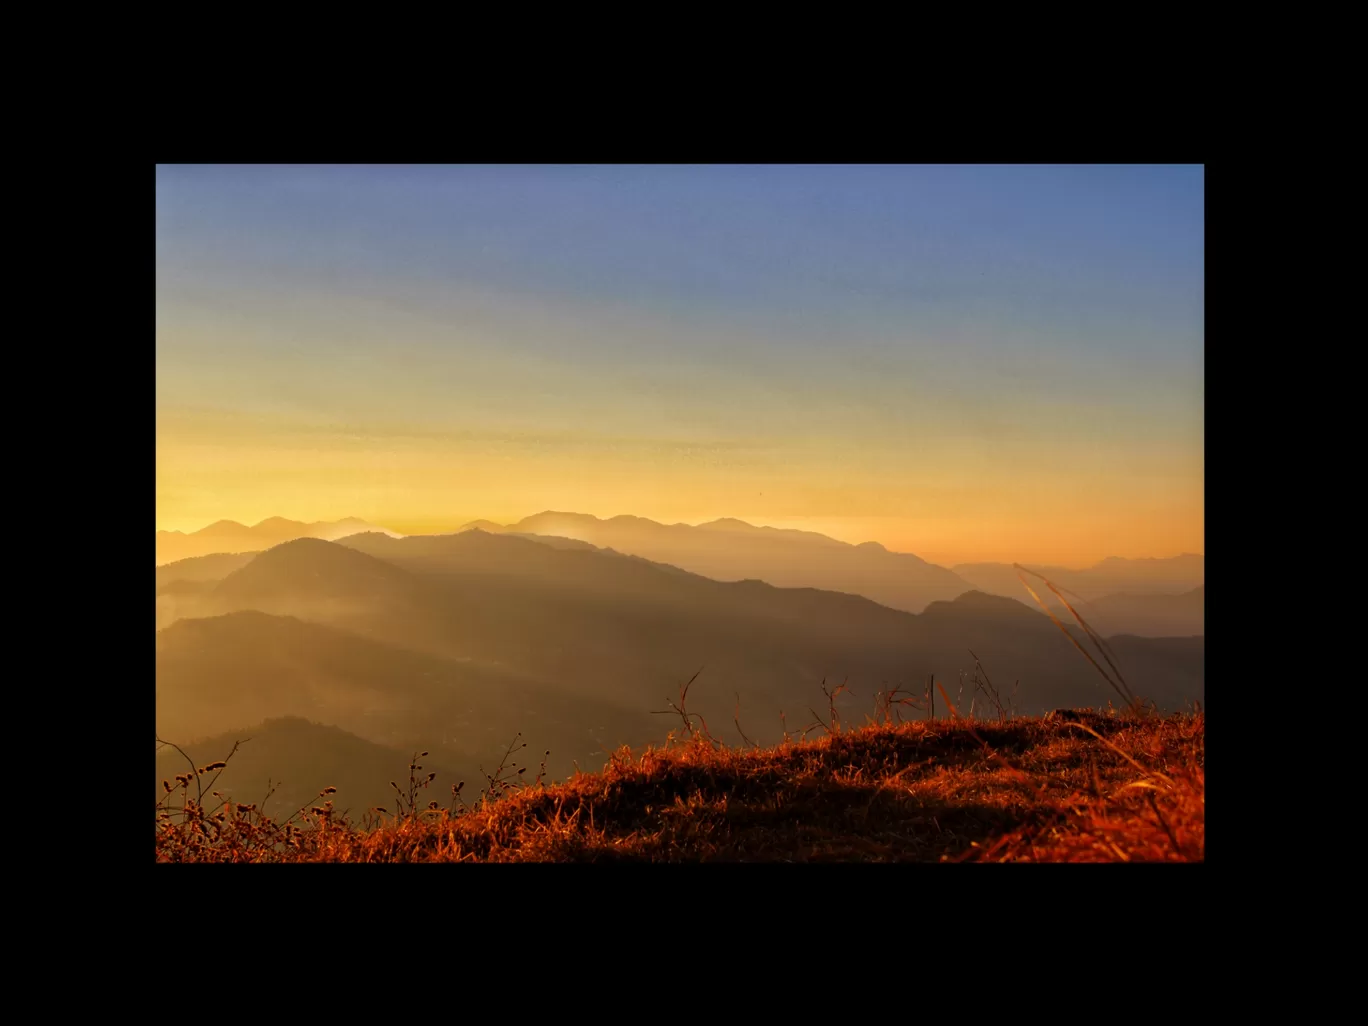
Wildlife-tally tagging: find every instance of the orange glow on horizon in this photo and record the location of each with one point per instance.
(1075, 543)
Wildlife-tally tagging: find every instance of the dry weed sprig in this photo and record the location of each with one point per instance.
(890, 704)
(681, 710)
(504, 778)
(984, 684)
(736, 719)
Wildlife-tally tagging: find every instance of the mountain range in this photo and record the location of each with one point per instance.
(451, 642)
(228, 536)
(732, 550)
(1148, 597)
(729, 550)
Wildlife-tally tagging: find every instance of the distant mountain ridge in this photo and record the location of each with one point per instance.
(733, 550)
(1146, 597)
(729, 549)
(228, 536)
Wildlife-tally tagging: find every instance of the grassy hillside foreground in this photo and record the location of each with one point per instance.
(1065, 788)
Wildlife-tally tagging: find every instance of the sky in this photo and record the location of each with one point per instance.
(971, 363)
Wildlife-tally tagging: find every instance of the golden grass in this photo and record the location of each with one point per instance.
(1113, 788)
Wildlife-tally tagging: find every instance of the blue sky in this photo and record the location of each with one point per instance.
(907, 320)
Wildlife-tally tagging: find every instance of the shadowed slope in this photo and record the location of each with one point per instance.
(249, 666)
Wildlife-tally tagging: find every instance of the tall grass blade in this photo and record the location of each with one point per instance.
(1074, 641)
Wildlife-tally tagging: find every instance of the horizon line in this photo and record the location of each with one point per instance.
(620, 516)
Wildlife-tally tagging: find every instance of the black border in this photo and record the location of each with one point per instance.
(98, 463)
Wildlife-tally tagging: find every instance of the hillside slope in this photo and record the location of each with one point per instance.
(246, 667)
(1080, 789)
(199, 569)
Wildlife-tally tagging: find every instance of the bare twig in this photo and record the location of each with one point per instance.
(984, 683)
(737, 720)
(681, 710)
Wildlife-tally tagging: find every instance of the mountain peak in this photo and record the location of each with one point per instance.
(290, 549)
(556, 522)
(277, 525)
(219, 527)
(482, 525)
(315, 562)
(981, 604)
(728, 524)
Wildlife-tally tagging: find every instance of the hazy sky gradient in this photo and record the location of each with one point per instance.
(969, 363)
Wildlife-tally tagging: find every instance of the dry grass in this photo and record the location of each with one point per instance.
(1061, 789)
